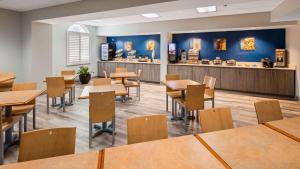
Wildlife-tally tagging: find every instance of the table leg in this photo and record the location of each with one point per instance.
(103, 129)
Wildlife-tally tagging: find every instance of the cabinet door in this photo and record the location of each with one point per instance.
(185, 72)
(229, 79)
(131, 67)
(151, 73)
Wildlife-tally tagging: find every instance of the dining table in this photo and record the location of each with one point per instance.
(179, 85)
(9, 99)
(288, 126)
(123, 75)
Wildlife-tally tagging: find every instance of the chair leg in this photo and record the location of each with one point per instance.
(139, 88)
(185, 116)
(48, 104)
(25, 123)
(113, 130)
(64, 103)
(33, 117)
(173, 102)
(90, 133)
(197, 116)
(213, 102)
(20, 128)
(175, 108)
(74, 93)
(167, 103)
(70, 96)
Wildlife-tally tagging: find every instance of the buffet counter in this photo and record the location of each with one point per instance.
(150, 70)
(273, 81)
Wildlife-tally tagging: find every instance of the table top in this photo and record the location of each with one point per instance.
(289, 127)
(6, 77)
(174, 153)
(179, 84)
(11, 98)
(118, 88)
(254, 147)
(66, 77)
(76, 161)
(122, 74)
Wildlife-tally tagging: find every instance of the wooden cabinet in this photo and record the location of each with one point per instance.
(256, 80)
(150, 72)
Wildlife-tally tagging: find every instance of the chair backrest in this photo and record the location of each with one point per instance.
(102, 106)
(268, 110)
(25, 86)
(101, 81)
(146, 128)
(210, 83)
(47, 143)
(215, 119)
(206, 80)
(68, 72)
(121, 69)
(195, 97)
(55, 86)
(105, 74)
(171, 77)
(139, 74)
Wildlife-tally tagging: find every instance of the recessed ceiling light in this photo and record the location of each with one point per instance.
(207, 9)
(150, 15)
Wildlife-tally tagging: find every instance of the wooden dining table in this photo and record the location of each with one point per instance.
(184, 152)
(253, 147)
(288, 126)
(4, 77)
(179, 85)
(89, 160)
(13, 98)
(123, 75)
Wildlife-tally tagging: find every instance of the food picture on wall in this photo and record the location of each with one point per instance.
(280, 57)
(220, 44)
(128, 46)
(248, 44)
(196, 44)
(150, 45)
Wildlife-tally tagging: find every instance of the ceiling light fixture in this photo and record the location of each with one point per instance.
(150, 15)
(207, 9)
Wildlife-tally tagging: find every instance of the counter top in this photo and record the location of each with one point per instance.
(131, 62)
(211, 65)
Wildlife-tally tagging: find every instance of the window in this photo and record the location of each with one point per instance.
(78, 45)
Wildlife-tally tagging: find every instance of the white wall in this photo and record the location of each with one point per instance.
(59, 49)
(293, 47)
(10, 43)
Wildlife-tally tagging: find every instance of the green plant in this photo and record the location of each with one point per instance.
(84, 70)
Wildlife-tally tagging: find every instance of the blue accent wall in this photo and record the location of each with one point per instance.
(266, 41)
(138, 43)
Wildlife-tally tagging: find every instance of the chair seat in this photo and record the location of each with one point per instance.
(9, 122)
(175, 94)
(4, 89)
(69, 86)
(207, 97)
(132, 84)
(22, 109)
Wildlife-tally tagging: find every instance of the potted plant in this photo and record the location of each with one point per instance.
(84, 74)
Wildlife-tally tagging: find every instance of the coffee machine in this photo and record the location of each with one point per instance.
(267, 63)
(172, 53)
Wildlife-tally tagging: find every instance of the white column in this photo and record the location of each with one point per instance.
(165, 38)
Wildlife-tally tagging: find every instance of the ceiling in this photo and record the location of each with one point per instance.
(27, 5)
(174, 10)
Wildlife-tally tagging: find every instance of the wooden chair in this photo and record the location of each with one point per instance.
(101, 110)
(56, 88)
(210, 83)
(6, 86)
(47, 143)
(136, 83)
(26, 108)
(194, 100)
(70, 84)
(120, 70)
(147, 128)
(5, 124)
(173, 94)
(215, 119)
(101, 81)
(268, 110)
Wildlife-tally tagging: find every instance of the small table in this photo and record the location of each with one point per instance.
(180, 85)
(123, 75)
(6, 77)
(254, 147)
(174, 153)
(88, 160)
(119, 91)
(289, 127)
(9, 99)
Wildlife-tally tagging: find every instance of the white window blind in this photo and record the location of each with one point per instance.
(78, 50)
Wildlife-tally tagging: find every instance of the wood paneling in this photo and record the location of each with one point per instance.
(150, 72)
(257, 80)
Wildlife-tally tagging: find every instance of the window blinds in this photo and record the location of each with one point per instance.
(78, 48)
